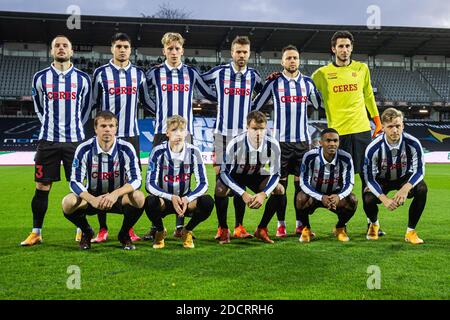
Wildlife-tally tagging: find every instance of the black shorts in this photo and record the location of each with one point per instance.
(318, 204)
(291, 157)
(161, 137)
(169, 209)
(251, 181)
(116, 208)
(48, 160)
(220, 147)
(356, 145)
(388, 186)
(135, 142)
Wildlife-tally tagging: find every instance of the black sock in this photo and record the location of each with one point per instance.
(221, 210)
(39, 206)
(239, 210)
(370, 205)
(205, 205)
(131, 216)
(269, 211)
(418, 204)
(281, 210)
(297, 191)
(343, 217)
(153, 210)
(79, 219)
(102, 220)
(179, 222)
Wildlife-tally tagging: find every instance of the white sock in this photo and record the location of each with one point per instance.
(409, 229)
(37, 230)
(281, 223)
(298, 223)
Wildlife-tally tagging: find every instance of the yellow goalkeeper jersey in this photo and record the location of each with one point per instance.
(346, 93)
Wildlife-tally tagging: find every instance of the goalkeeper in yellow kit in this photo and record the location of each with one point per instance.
(347, 92)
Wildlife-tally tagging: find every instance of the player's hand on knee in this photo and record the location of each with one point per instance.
(390, 204)
(258, 200)
(177, 205)
(247, 198)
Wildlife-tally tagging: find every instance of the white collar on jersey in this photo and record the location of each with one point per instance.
(324, 161)
(234, 69)
(295, 79)
(173, 68)
(64, 73)
(397, 146)
(177, 155)
(250, 147)
(100, 150)
(120, 68)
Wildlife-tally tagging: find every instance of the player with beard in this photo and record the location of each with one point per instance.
(62, 98)
(290, 91)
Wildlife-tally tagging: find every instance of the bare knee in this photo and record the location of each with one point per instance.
(279, 190)
(221, 189)
(70, 203)
(303, 201)
(136, 199)
(43, 186)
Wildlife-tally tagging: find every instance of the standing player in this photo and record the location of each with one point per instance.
(171, 167)
(290, 93)
(174, 83)
(113, 179)
(61, 96)
(394, 161)
(235, 85)
(117, 87)
(347, 95)
(247, 156)
(327, 180)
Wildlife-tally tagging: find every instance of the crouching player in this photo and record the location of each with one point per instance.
(394, 161)
(171, 166)
(113, 179)
(327, 178)
(247, 155)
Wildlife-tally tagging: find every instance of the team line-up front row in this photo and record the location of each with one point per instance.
(105, 172)
(106, 178)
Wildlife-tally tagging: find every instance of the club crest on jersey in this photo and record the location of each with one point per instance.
(354, 74)
(134, 80)
(332, 75)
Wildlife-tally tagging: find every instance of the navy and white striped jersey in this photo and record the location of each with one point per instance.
(174, 88)
(243, 158)
(383, 161)
(103, 171)
(118, 90)
(171, 173)
(290, 97)
(319, 177)
(62, 101)
(234, 96)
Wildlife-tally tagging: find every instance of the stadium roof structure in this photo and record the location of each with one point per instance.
(217, 35)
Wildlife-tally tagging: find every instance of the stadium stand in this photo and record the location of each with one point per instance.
(439, 78)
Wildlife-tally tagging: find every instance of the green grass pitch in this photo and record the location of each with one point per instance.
(245, 269)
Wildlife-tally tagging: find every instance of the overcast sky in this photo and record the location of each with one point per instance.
(414, 13)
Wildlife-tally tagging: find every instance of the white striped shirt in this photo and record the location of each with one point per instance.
(62, 101)
(290, 97)
(319, 177)
(242, 158)
(234, 95)
(104, 171)
(174, 88)
(170, 174)
(390, 163)
(118, 90)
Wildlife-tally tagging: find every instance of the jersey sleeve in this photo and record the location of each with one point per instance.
(227, 168)
(204, 89)
(200, 177)
(78, 171)
(369, 97)
(264, 96)
(38, 96)
(153, 173)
